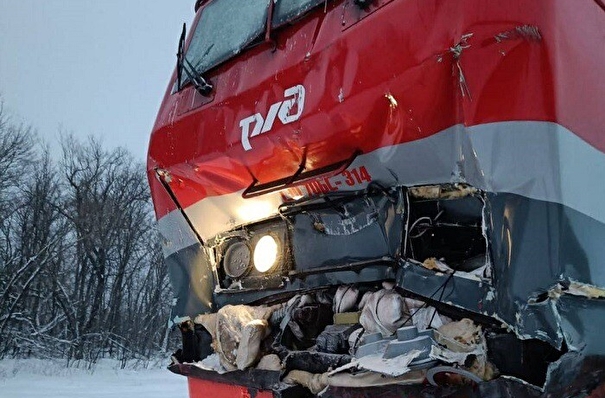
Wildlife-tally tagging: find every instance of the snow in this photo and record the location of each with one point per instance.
(33, 378)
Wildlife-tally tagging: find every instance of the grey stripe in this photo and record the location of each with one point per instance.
(538, 160)
(175, 232)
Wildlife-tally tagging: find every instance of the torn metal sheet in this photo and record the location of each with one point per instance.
(576, 289)
(529, 32)
(394, 367)
(354, 230)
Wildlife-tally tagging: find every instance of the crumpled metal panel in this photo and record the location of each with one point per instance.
(364, 228)
(192, 281)
(536, 244)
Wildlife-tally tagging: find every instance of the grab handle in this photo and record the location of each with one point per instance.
(256, 189)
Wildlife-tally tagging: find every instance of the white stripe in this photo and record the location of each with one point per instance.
(538, 160)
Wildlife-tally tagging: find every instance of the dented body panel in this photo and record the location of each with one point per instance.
(504, 98)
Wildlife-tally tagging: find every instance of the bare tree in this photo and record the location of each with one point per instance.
(16, 152)
(107, 204)
(81, 270)
(38, 232)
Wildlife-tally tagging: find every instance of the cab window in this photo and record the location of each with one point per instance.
(225, 28)
(288, 10)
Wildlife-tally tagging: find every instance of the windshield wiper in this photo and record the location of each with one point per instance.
(179, 58)
(201, 85)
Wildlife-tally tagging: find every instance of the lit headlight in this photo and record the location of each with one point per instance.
(265, 253)
(252, 257)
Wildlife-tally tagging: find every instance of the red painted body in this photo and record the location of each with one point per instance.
(400, 49)
(401, 71)
(199, 388)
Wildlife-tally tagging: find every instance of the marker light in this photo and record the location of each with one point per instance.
(265, 253)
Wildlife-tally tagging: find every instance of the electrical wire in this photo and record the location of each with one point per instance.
(429, 219)
(442, 288)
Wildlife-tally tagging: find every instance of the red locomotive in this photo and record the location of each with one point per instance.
(452, 150)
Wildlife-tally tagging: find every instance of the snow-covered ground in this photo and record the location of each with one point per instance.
(51, 379)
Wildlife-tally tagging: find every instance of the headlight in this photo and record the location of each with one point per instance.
(237, 259)
(265, 253)
(252, 257)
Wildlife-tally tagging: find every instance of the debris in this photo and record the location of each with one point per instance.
(345, 299)
(319, 226)
(302, 319)
(461, 45)
(427, 317)
(585, 290)
(464, 344)
(212, 362)
(373, 379)
(461, 336)
(443, 191)
(461, 373)
(395, 339)
(237, 331)
(395, 355)
(315, 362)
(570, 287)
(270, 362)
(576, 289)
(335, 338)
(393, 367)
(313, 381)
(248, 350)
(383, 311)
(483, 368)
(450, 356)
(347, 318)
(433, 263)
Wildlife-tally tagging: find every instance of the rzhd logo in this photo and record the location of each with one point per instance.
(294, 99)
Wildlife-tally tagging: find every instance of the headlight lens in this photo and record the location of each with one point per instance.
(265, 253)
(237, 259)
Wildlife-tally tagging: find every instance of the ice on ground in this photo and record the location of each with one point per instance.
(33, 378)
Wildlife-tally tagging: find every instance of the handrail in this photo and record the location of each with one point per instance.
(161, 175)
(256, 189)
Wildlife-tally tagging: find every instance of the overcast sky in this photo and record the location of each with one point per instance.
(95, 67)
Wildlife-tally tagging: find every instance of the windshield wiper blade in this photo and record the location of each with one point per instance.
(179, 58)
(202, 85)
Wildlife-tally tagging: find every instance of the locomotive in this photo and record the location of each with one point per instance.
(448, 153)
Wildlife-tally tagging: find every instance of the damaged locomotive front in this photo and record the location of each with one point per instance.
(388, 196)
(366, 289)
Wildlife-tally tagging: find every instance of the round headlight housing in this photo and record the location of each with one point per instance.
(265, 253)
(236, 260)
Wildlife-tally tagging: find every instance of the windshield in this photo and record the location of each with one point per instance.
(225, 28)
(287, 10)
